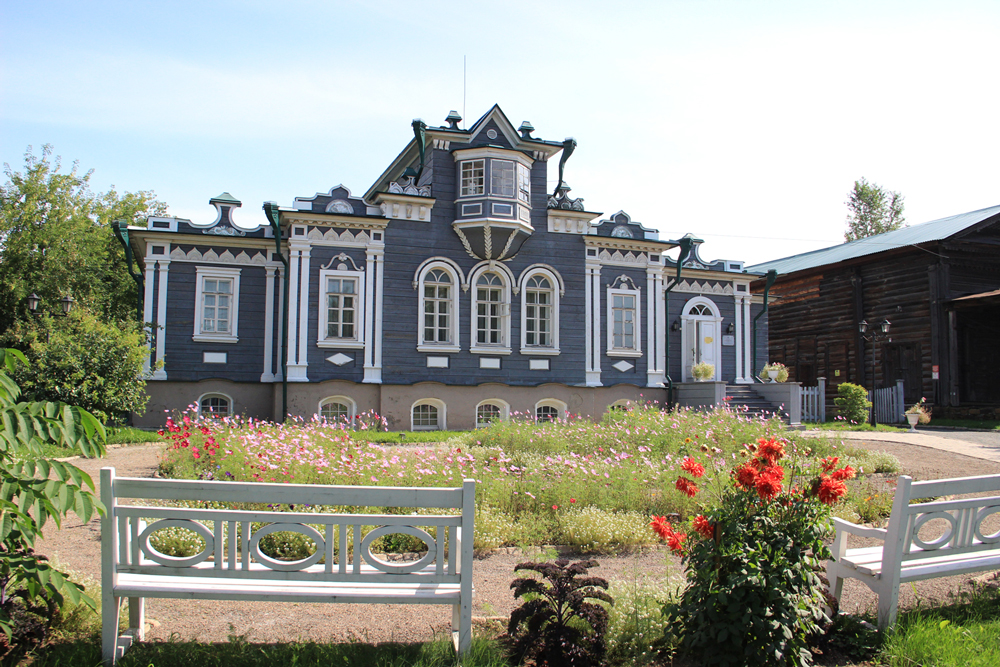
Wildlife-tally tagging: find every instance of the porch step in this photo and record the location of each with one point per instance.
(742, 398)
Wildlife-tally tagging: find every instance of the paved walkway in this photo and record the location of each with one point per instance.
(978, 444)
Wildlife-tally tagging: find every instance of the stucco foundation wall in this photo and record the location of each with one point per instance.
(249, 399)
(701, 394)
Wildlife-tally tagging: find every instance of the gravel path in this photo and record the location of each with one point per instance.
(77, 547)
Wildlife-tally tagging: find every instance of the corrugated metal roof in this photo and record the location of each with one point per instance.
(935, 230)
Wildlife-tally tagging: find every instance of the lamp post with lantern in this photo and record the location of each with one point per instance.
(66, 302)
(874, 335)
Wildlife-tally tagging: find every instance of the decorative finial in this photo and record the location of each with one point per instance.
(453, 119)
(526, 129)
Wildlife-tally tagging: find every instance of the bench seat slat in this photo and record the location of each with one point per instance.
(130, 585)
(947, 563)
(196, 514)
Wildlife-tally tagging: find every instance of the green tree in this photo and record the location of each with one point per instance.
(56, 239)
(82, 361)
(872, 210)
(35, 489)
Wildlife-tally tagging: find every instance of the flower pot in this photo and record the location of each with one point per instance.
(773, 375)
(913, 419)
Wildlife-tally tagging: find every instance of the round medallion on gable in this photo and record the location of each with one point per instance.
(491, 133)
(622, 232)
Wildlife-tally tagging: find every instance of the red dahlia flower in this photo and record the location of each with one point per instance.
(746, 476)
(703, 527)
(691, 466)
(847, 472)
(686, 486)
(831, 490)
(768, 487)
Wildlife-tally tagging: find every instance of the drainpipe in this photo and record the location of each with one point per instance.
(120, 229)
(772, 275)
(685, 246)
(271, 211)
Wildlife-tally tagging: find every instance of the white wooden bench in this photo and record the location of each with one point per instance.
(232, 566)
(962, 547)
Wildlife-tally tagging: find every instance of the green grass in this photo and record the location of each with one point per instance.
(840, 425)
(393, 437)
(992, 425)
(240, 653)
(966, 634)
(128, 435)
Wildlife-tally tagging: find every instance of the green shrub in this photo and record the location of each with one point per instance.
(852, 402)
(593, 530)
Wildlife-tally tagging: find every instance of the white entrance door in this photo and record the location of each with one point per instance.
(706, 343)
(700, 324)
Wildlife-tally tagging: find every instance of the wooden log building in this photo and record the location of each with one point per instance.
(938, 283)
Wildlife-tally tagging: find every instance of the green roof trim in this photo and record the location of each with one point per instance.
(926, 232)
(225, 198)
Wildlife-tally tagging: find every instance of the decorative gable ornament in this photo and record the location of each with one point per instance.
(622, 366)
(340, 359)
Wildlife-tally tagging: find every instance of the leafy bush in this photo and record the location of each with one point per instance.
(557, 626)
(754, 595)
(702, 371)
(852, 402)
(35, 489)
(593, 530)
(82, 361)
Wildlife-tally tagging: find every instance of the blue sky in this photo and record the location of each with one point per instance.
(743, 122)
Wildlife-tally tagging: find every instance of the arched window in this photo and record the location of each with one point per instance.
(491, 309)
(621, 405)
(491, 410)
(549, 409)
(428, 414)
(339, 409)
(541, 288)
(438, 285)
(216, 406)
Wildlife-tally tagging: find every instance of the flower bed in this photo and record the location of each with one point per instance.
(573, 482)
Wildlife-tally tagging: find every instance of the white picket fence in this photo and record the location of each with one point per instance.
(814, 402)
(888, 404)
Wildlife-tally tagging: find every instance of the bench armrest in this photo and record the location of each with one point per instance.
(845, 528)
(860, 531)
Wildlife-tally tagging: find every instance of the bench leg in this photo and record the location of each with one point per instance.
(888, 605)
(109, 627)
(461, 627)
(836, 581)
(137, 617)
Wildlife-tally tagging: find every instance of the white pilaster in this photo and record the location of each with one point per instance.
(369, 323)
(268, 374)
(739, 339)
(653, 342)
(747, 339)
(293, 290)
(147, 315)
(659, 331)
(376, 375)
(163, 266)
(304, 280)
(594, 374)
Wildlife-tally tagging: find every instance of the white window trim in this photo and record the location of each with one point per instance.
(442, 414)
(499, 402)
(202, 272)
(636, 351)
(507, 278)
(461, 178)
(455, 345)
(513, 177)
(552, 403)
(491, 153)
(556, 282)
(209, 394)
(352, 407)
(358, 341)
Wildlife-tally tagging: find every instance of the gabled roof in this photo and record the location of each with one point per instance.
(935, 230)
(408, 155)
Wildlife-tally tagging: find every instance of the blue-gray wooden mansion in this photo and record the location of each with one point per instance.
(455, 290)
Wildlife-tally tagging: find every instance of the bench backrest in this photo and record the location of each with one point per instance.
(965, 517)
(232, 536)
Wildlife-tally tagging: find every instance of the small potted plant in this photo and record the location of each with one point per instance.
(918, 413)
(702, 371)
(775, 372)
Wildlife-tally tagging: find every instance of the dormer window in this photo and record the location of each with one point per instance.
(502, 178)
(473, 177)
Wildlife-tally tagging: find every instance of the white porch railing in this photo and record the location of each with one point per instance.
(888, 404)
(814, 402)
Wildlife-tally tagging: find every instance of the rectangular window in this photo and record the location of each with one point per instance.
(437, 300)
(489, 316)
(341, 307)
(623, 322)
(473, 177)
(216, 310)
(216, 299)
(524, 184)
(538, 318)
(502, 178)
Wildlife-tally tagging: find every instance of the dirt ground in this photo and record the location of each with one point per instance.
(78, 548)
